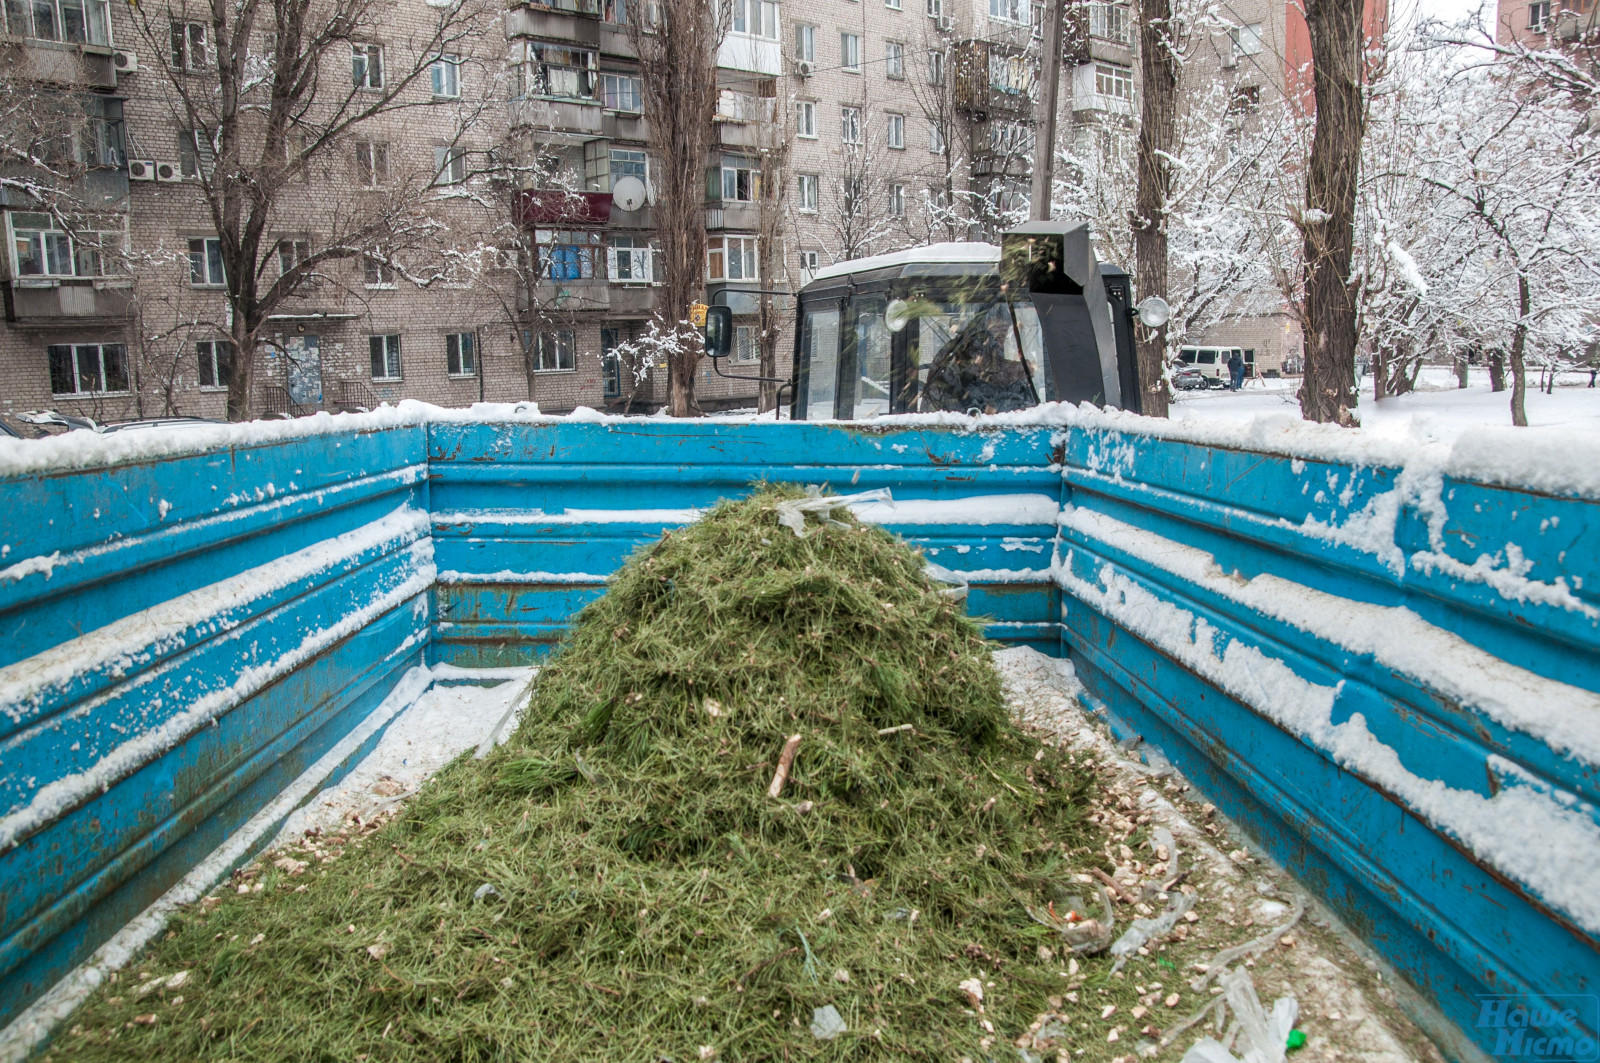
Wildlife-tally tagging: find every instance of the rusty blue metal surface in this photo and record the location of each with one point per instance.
(334, 562)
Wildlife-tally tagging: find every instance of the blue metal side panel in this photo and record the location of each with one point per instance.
(1453, 924)
(178, 640)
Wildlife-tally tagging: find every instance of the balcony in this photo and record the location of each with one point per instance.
(81, 65)
(991, 80)
(68, 302)
(555, 206)
(578, 22)
(757, 55)
(555, 116)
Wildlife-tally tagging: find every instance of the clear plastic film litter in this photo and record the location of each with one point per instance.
(1262, 1036)
(792, 513)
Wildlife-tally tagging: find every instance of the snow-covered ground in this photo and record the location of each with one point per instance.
(1437, 410)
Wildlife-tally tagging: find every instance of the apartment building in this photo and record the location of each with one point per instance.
(885, 125)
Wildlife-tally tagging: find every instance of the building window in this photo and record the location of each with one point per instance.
(935, 8)
(806, 192)
(809, 265)
(216, 363)
(73, 21)
(205, 263)
(628, 162)
(461, 353)
(850, 125)
(805, 119)
(741, 181)
(936, 137)
(611, 362)
(366, 65)
(557, 70)
(1109, 22)
(1538, 16)
(897, 201)
(1113, 81)
(566, 255)
(615, 12)
(555, 352)
(731, 258)
(189, 50)
(292, 253)
(631, 260)
(372, 163)
(1010, 10)
(88, 368)
(385, 352)
(1010, 138)
(758, 18)
(850, 52)
(1247, 39)
(936, 68)
(621, 92)
(1010, 74)
(41, 249)
(894, 59)
(445, 74)
(377, 272)
(896, 133)
(197, 153)
(449, 166)
(744, 344)
(805, 43)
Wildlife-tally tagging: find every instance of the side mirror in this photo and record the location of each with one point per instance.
(719, 331)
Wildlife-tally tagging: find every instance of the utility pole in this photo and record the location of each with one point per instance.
(1044, 143)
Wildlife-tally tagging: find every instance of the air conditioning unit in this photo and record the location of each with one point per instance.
(141, 170)
(803, 68)
(1230, 59)
(168, 171)
(125, 62)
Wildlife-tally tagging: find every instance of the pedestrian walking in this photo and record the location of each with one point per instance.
(1236, 369)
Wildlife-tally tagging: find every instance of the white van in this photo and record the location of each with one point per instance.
(1212, 362)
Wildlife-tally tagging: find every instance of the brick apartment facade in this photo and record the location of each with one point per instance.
(905, 121)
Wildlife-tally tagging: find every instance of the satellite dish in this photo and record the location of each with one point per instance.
(627, 193)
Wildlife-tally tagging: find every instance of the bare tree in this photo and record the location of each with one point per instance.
(1327, 224)
(1158, 67)
(774, 135)
(678, 65)
(269, 93)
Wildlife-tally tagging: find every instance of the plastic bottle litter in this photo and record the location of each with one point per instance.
(485, 890)
(1265, 1035)
(826, 1023)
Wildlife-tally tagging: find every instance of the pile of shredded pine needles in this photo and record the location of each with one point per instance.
(615, 882)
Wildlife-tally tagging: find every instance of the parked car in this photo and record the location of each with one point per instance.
(1188, 378)
(36, 424)
(159, 424)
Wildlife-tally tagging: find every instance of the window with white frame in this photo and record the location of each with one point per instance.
(745, 348)
(445, 74)
(628, 162)
(935, 8)
(461, 353)
(1114, 81)
(566, 255)
(895, 133)
(449, 165)
(936, 137)
(806, 192)
(1010, 138)
(631, 260)
(1010, 10)
(189, 50)
(1246, 39)
(557, 70)
(897, 201)
(894, 59)
(758, 18)
(850, 52)
(731, 258)
(291, 253)
(1010, 74)
(1038, 22)
(809, 264)
(40, 248)
(850, 125)
(215, 359)
(376, 272)
(622, 92)
(372, 163)
(366, 65)
(892, 5)
(1109, 22)
(88, 368)
(741, 180)
(1539, 16)
(611, 362)
(385, 355)
(805, 43)
(72, 21)
(805, 118)
(197, 152)
(936, 68)
(555, 351)
(205, 263)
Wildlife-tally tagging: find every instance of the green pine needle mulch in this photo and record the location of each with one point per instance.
(649, 899)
